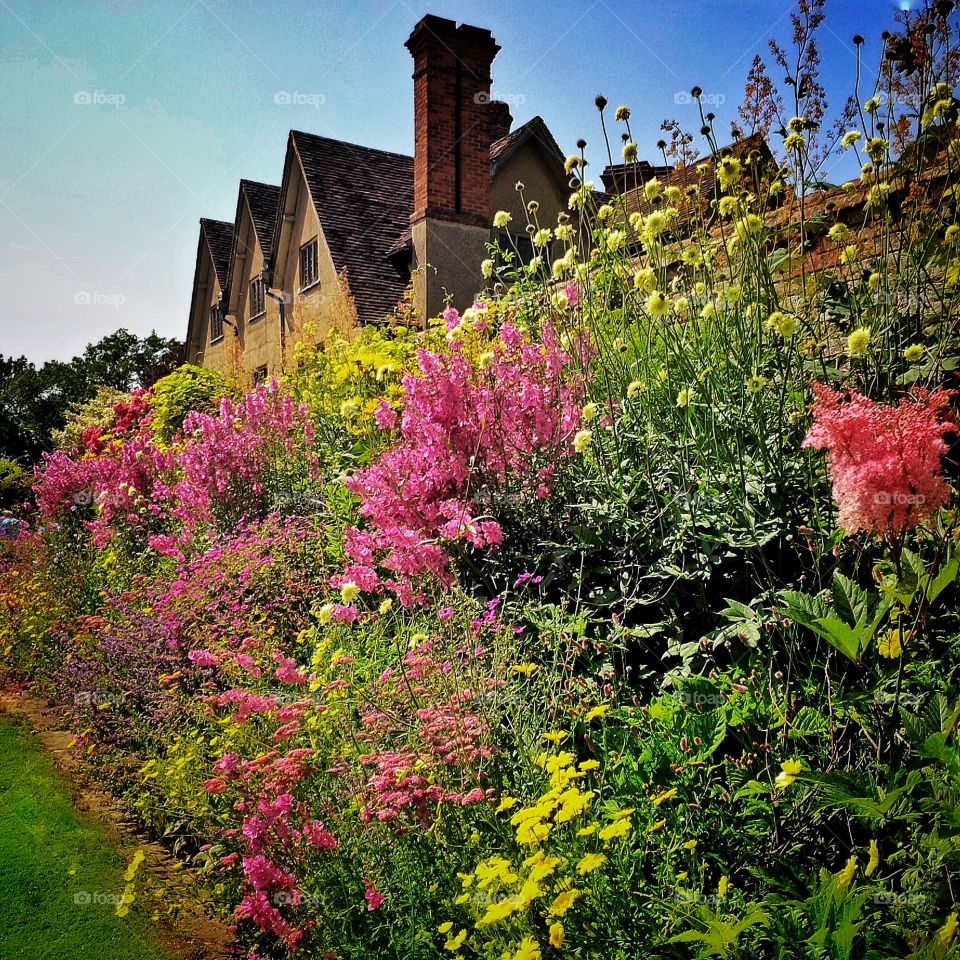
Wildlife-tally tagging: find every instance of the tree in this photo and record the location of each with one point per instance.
(34, 400)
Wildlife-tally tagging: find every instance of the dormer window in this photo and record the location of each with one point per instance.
(216, 323)
(257, 302)
(309, 273)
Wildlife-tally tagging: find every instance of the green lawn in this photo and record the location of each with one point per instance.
(50, 860)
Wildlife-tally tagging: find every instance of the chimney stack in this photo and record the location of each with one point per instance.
(500, 119)
(453, 126)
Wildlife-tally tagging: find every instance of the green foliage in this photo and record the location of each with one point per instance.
(175, 395)
(15, 484)
(95, 412)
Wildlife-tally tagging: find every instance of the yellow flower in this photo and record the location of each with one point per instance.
(529, 949)
(951, 233)
(532, 831)
(587, 831)
(634, 388)
(456, 942)
(590, 862)
(946, 932)
(652, 188)
(506, 803)
(839, 232)
(722, 887)
(541, 867)
(874, 860)
(386, 606)
(845, 876)
(728, 172)
(556, 935)
(756, 384)
(563, 902)
(872, 105)
(858, 342)
(486, 269)
(727, 206)
(525, 668)
(616, 830)
(654, 827)
(501, 219)
(890, 644)
(589, 412)
(789, 770)
(542, 237)
(657, 305)
(445, 927)
(629, 152)
(349, 592)
(645, 279)
(555, 736)
(684, 397)
(663, 797)
(850, 138)
(690, 845)
(588, 765)
(913, 353)
(597, 712)
(849, 255)
(582, 441)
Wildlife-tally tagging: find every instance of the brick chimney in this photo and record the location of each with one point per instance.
(500, 119)
(453, 123)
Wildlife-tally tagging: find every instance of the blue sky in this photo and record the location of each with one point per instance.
(125, 121)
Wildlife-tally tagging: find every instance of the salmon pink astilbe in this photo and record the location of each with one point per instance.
(884, 459)
(468, 429)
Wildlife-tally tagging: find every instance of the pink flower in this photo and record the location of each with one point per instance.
(373, 896)
(385, 416)
(884, 460)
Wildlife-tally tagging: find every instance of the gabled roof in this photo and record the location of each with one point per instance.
(534, 130)
(261, 200)
(363, 198)
(216, 238)
(219, 238)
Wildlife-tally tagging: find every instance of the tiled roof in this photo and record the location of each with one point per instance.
(219, 237)
(703, 173)
(535, 129)
(363, 199)
(263, 199)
